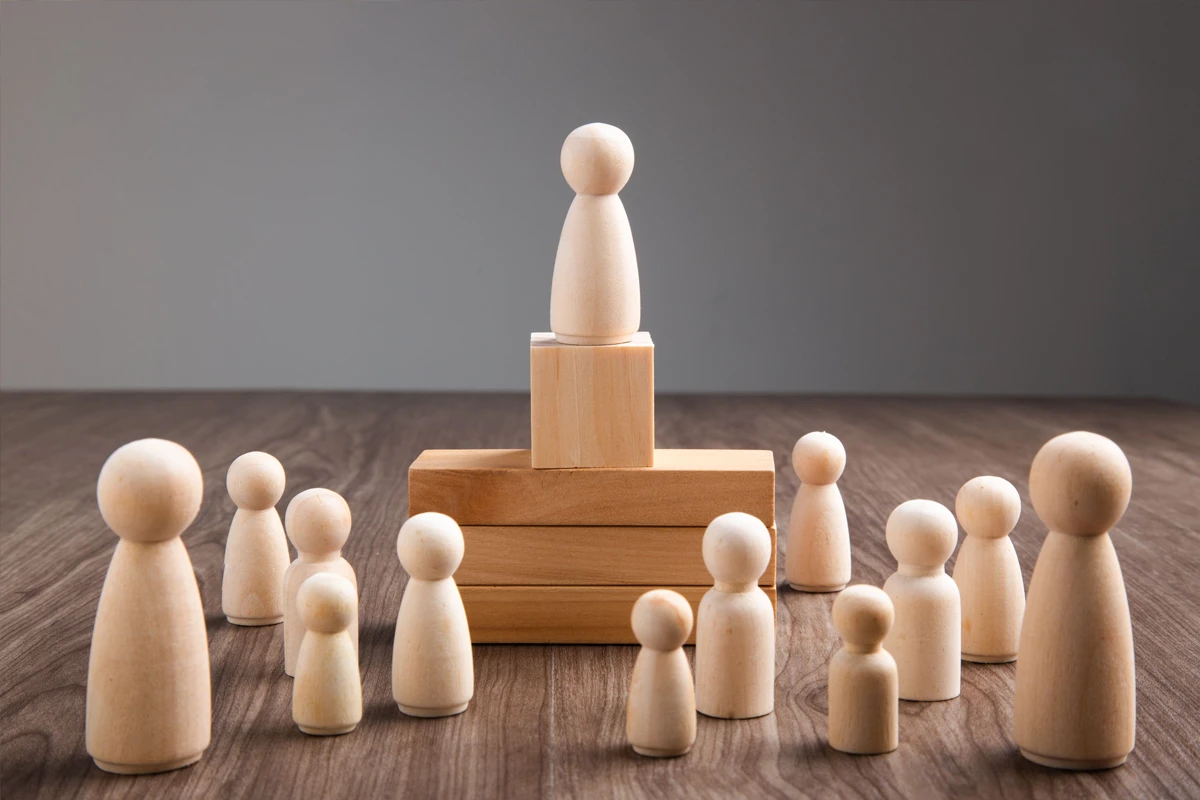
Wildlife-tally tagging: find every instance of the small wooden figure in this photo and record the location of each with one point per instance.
(987, 571)
(327, 693)
(735, 635)
(660, 718)
(256, 552)
(864, 691)
(149, 704)
(595, 297)
(818, 541)
(926, 638)
(433, 673)
(1075, 676)
(318, 525)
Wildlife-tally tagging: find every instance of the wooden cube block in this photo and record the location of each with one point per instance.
(591, 406)
(548, 556)
(683, 488)
(563, 614)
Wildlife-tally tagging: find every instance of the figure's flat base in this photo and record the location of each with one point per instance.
(656, 753)
(977, 659)
(338, 731)
(1073, 764)
(450, 711)
(817, 589)
(147, 769)
(254, 622)
(768, 712)
(930, 699)
(864, 752)
(564, 338)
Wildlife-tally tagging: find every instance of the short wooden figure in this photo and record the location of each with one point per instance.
(256, 552)
(327, 693)
(926, 638)
(596, 297)
(433, 673)
(660, 718)
(864, 691)
(735, 634)
(318, 525)
(1075, 676)
(818, 542)
(149, 704)
(987, 571)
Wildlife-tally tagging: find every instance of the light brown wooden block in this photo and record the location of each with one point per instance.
(683, 488)
(564, 556)
(562, 614)
(591, 406)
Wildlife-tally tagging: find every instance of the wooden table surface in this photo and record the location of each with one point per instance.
(549, 721)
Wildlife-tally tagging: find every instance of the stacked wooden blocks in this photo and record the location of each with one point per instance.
(562, 539)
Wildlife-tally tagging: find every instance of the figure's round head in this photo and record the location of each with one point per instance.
(737, 548)
(149, 490)
(818, 458)
(317, 521)
(430, 546)
(921, 533)
(597, 159)
(662, 619)
(988, 507)
(326, 603)
(255, 481)
(863, 615)
(1080, 484)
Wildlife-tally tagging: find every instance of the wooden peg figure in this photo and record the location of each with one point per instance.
(318, 524)
(256, 552)
(987, 571)
(926, 637)
(864, 690)
(595, 297)
(818, 541)
(1075, 676)
(735, 634)
(149, 704)
(327, 693)
(433, 673)
(660, 718)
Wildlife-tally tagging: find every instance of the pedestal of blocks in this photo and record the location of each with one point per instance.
(560, 555)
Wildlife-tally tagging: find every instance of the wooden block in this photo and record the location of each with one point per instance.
(591, 406)
(562, 614)
(599, 556)
(683, 488)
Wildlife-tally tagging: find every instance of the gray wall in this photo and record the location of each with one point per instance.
(954, 197)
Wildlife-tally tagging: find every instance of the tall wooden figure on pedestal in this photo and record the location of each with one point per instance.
(1075, 678)
(149, 703)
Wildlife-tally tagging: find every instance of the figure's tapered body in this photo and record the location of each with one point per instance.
(256, 552)
(1075, 705)
(149, 706)
(818, 542)
(595, 297)
(660, 717)
(433, 673)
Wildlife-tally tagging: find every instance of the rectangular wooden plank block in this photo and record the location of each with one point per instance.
(591, 406)
(684, 488)
(600, 556)
(563, 614)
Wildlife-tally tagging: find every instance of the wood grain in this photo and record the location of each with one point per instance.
(549, 721)
(684, 487)
(563, 614)
(543, 555)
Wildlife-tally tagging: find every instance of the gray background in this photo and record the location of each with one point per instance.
(957, 197)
